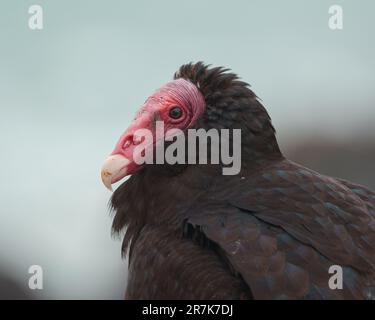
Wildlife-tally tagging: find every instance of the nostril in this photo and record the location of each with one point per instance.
(132, 140)
(128, 141)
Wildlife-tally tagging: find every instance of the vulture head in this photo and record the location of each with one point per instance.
(199, 97)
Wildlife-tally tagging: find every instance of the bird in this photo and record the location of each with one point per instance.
(275, 230)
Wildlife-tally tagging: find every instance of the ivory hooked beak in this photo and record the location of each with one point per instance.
(114, 169)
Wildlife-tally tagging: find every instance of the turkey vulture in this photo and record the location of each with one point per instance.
(272, 231)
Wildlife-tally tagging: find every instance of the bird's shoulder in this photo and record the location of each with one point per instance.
(282, 227)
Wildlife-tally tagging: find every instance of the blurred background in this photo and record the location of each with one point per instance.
(68, 91)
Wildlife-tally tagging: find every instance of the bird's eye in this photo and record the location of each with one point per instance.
(175, 112)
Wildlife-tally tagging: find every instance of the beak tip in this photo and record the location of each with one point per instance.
(113, 169)
(107, 179)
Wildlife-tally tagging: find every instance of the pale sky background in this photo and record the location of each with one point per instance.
(68, 91)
